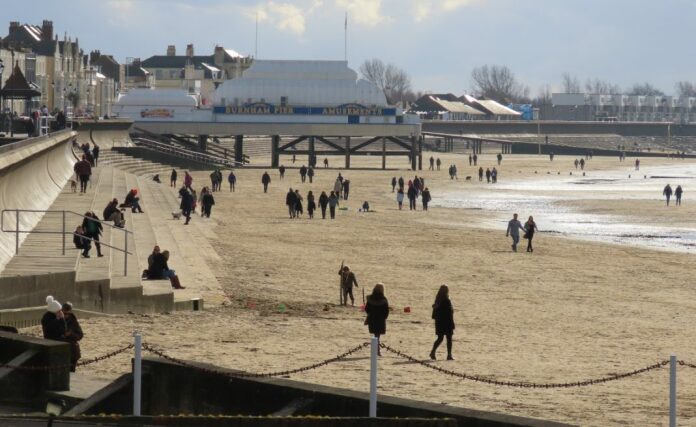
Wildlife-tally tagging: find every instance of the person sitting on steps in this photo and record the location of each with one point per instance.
(159, 269)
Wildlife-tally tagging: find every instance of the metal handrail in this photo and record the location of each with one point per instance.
(17, 231)
(184, 153)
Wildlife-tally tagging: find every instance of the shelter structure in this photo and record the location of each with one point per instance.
(17, 88)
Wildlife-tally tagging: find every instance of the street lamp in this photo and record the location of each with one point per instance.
(2, 110)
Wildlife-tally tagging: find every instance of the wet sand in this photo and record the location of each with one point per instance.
(572, 310)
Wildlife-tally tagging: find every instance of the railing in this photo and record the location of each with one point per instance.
(64, 232)
(184, 153)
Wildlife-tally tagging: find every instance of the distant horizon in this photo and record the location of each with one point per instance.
(436, 43)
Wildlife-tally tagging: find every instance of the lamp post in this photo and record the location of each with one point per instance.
(2, 109)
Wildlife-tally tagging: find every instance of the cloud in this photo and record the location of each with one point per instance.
(364, 12)
(284, 16)
(421, 10)
(120, 12)
(449, 5)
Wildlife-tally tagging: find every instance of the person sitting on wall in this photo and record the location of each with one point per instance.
(132, 201)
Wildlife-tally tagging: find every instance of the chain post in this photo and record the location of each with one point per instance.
(16, 231)
(125, 252)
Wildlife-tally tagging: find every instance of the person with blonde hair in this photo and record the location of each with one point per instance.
(377, 309)
(443, 314)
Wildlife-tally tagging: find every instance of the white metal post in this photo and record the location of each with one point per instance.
(63, 232)
(125, 252)
(374, 347)
(673, 391)
(137, 374)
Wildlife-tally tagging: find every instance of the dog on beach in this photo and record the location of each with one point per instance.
(468, 178)
(176, 215)
(73, 185)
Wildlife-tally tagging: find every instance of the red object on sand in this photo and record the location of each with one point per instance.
(407, 309)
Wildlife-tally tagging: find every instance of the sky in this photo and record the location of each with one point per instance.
(438, 42)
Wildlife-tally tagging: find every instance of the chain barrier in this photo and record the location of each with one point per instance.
(83, 362)
(524, 384)
(153, 350)
(687, 364)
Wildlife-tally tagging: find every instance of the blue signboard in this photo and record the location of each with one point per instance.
(263, 108)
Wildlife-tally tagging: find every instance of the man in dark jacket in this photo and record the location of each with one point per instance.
(186, 204)
(208, 202)
(667, 192)
(412, 193)
(83, 170)
(265, 180)
(95, 154)
(291, 201)
(93, 229)
(310, 174)
(281, 170)
(303, 173)
(347, 282)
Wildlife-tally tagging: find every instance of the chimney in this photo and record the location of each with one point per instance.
(171, 50)
(94, 56)
(219, 57)
(47, 30)
(189, 50)
(14, 27)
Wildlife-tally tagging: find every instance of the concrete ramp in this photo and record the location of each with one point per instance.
(105, 133)
(32, 175)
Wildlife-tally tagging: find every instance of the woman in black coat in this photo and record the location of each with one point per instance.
(73, 335)
(377, 309)
(444, 321)
(323, 202)
(530, 228)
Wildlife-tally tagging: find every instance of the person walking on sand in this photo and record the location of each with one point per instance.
(207, 204)
(281, 171)
(347, 282)
(346, 188)
(438, 163)
(310, 173)
(290, 202)
(432, 163)
(513, 229)
(73, 334)
(637, 164)
(582, 164)
(326, 162)
(265, 180)
(188, 180)
(393, 183)
(488, 175)
(425, 196)
(500, 158)
(443, 314)
(667, 192)
(338, 186)
(377, 309)
(530, 228)
(576, 163)
(311, 205)
(480, 173)
(412, 193)
(471, 160)
(333, 202)
(323, 203)
(494, 175)
(187, 202)
(677, 195)
(400, 197)
(303, 173)
(298, 204)
(232, 179)
(401, 182)
(475, 159)
(172, 178)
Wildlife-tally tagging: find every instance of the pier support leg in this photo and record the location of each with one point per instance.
(347, 152)
(275, 155)
(203, 142)
(239, 148)
(384, 153)
(413, 153)
(312, 153)
(420, 154)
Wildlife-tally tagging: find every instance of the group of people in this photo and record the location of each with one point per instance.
(580, 163)
(433, 162)
(293, 201)
(158, 268)
(513, 230)
(416, 189)
(59, 323)
(491, 175)
(667, 192)
(377, 311)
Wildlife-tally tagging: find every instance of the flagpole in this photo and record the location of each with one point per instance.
(256, 40)
(345, 39)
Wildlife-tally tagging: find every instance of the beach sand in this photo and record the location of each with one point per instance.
(570, 311)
